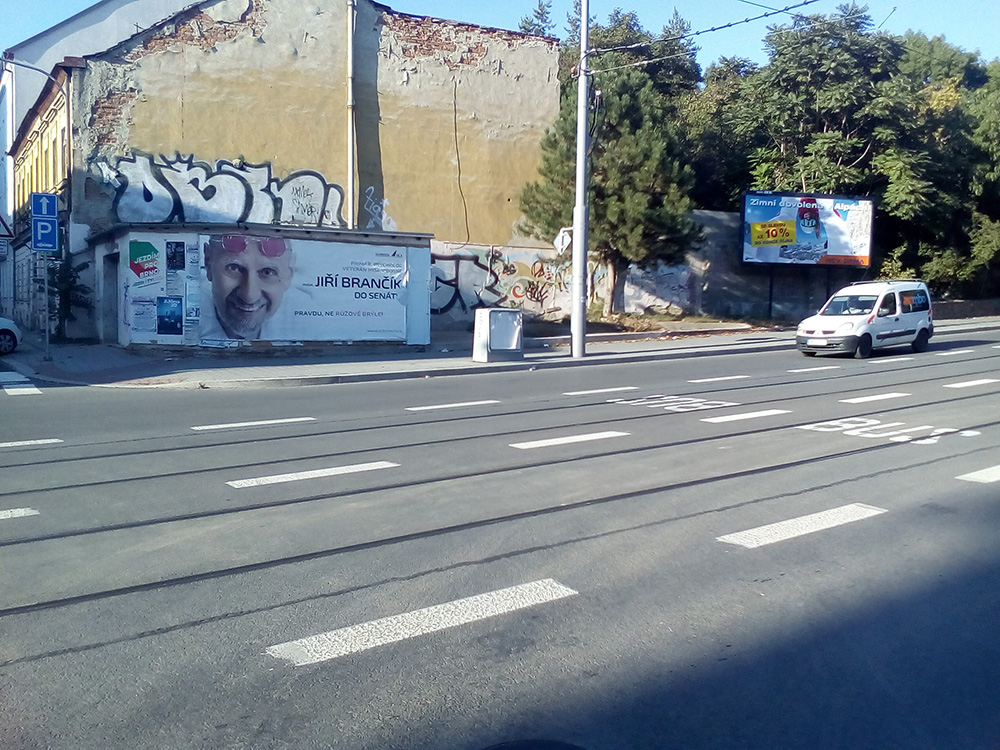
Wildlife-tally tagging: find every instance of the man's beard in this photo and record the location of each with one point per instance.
(241, 320)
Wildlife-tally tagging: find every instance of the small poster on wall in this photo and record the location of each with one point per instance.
(169, 316)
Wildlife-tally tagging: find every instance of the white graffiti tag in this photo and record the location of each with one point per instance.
(164, 189)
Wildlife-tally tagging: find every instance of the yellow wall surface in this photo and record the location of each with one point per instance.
(449, 118)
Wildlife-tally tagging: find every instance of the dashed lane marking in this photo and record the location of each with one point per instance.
(24, 443)
(779, 532)
(602, 390)
(972, 383)
(816, 369)
(459, 405)
(17, 513)
(259, 423)
(983, 476)
(720, 379)
(314, 474)
(567, 440)
(890, 360)
(952, 354)
(876, 397)
(350, 640)
(746, 415)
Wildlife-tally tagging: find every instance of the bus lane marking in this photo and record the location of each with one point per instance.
(867, 427)
(6, 515)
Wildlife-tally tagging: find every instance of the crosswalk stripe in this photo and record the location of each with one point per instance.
(349, 640)
(779, 532)
(19, 389)
(314, 474)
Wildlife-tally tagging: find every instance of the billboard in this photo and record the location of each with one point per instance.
(829, 230)
(227, 288)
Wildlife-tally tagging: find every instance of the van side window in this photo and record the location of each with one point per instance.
(915, 300)
(888, 306)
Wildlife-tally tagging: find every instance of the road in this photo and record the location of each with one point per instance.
(747, 551)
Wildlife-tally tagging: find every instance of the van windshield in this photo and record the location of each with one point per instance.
(849, 304)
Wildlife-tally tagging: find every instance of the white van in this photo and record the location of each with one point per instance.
(870, 315)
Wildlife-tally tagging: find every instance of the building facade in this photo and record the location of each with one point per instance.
(339, 115)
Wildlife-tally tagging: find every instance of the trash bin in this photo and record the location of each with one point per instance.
(497, 335)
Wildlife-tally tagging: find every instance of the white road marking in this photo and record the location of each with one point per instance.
(17, 513)
(12, 377)
(971, 383)
(779, 532)
(719, 380)
(890, 360)
(315, 474)
(567, 440)
(984, 476)
(459, 405)
(876, 397)
(350, 640)
(260, 423)
(22, 443)
(817, 369)
(746, 415)
(952, 354)
(602, 390)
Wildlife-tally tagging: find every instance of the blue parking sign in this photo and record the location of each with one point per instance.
(45, 222)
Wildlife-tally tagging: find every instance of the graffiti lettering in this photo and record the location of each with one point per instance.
(159, 190)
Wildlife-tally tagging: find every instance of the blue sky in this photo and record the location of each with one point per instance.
(969, 24)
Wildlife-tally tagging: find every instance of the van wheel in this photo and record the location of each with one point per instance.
(921, 341)
(864, 349)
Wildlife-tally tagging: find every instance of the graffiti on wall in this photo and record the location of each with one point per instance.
(160, 190)
(668, 289)
(376, 210)
(484, 276)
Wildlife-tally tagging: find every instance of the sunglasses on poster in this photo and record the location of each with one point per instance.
(235, 244)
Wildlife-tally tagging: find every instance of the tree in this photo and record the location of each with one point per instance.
(67, 292)
(639, 183)
(540, 21)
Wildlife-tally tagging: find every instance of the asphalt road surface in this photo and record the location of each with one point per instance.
(755, 551)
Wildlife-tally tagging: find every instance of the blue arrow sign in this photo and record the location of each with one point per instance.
(44, 206)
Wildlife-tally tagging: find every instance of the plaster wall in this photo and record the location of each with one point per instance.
(448, 115)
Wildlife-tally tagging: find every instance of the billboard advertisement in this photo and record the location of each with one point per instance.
(227, 288)
(806, 229)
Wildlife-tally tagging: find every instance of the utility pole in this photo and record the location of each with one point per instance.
(578, 309)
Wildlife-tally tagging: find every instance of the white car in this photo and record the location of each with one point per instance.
(870, 315)
(10, 334)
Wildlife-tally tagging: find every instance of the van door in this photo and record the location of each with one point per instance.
(886, 328)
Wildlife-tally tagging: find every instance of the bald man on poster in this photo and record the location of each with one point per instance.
(249, 277)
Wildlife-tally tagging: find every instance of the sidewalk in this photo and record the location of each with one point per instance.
(448, 353)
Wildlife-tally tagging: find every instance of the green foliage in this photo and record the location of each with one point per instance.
(540, 21)
(67, 292)
(638, 187)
